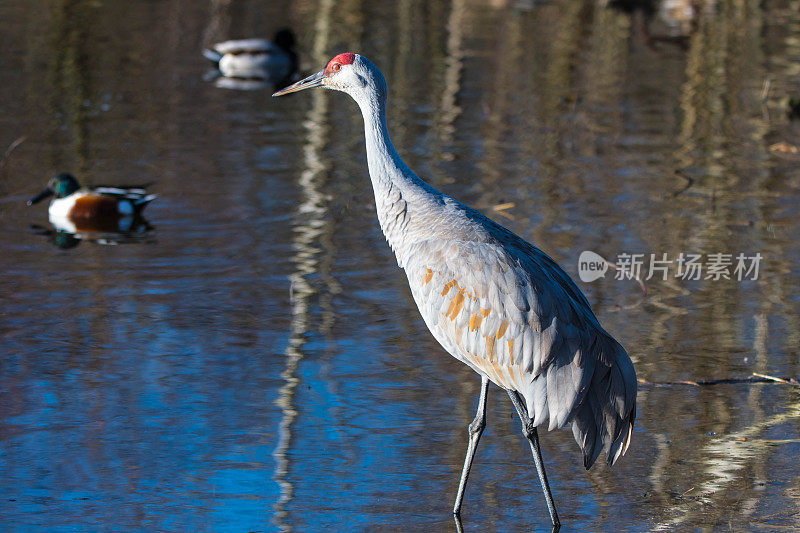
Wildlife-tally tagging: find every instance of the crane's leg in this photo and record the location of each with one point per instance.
(474, 429)
(529, 430)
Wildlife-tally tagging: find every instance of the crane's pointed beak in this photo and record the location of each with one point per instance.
(315, 80)
(41, 196)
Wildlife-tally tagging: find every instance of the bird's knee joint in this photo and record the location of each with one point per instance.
(476, 426)
(528, 429)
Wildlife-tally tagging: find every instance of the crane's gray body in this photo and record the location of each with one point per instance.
(496, 302)
(491, 299)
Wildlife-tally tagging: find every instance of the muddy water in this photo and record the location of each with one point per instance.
(255, 362)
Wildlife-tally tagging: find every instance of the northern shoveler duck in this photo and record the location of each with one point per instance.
(257, 59)
(76, 209)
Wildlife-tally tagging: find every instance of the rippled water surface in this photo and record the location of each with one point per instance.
(255, 362)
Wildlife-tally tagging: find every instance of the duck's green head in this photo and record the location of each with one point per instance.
(61, 186)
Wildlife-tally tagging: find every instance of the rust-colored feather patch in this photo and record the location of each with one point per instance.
(475, 322)
(94, 205)
(502, 329)
(456, 305)
(428, 276)
(490, 349)
(449, 286)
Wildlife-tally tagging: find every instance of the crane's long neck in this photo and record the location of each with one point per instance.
(393, 183)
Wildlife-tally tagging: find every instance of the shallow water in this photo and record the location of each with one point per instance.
(256, 362)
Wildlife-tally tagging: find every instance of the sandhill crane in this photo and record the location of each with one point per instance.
(492, 300)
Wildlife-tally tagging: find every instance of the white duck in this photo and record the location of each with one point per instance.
(270, 62)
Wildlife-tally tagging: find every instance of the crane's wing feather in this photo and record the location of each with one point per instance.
(511, 313)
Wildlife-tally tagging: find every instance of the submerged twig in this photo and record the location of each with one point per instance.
(755, 378)
(765, 99)
(11, 148)
(500, 209)
(791, 381)
(765, 89)
(637, 279)
(689, 182)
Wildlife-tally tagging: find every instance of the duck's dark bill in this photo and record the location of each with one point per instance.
(315, 80)
(41, 196)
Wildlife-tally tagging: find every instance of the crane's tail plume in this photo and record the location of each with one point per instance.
(604, 420)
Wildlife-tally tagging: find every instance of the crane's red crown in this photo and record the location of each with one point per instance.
(338, 61)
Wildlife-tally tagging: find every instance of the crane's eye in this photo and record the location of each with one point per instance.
(336, 66)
